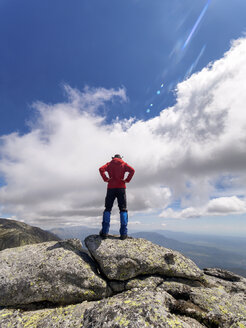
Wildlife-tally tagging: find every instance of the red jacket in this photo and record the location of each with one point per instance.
(116, 170)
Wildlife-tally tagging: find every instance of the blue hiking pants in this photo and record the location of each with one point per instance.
(120, 194)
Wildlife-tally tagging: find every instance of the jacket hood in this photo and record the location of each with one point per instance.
(117, 160)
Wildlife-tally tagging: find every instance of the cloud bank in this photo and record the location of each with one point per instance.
(192, 153)
(215, 207)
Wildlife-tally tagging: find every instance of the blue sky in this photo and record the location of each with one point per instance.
(135, 48)
(106, 43)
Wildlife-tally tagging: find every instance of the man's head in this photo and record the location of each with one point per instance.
(117, 156)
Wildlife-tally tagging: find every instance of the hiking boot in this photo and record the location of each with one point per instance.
(123, 237)
(103, 235)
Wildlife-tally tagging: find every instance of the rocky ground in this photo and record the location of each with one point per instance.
(119, 283)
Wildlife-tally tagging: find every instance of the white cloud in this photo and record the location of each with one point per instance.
(217, 206)
(51, 173)
(226, 205)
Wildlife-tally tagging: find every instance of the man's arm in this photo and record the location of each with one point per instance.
(131, 172)
(102, 171)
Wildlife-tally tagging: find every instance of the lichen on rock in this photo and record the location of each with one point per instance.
(62, 316)
(131, 283)
(214, 306)
(59, 272)
(137, 308)
(123, 260)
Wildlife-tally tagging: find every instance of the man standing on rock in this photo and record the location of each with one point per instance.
(116, 170)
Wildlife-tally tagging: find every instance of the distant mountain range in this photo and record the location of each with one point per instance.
(226, 243)
(79, 232)
(14, 233)
(205, 250)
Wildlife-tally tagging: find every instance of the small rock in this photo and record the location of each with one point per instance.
(222, 274)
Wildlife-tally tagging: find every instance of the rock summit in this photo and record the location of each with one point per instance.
(116, 283)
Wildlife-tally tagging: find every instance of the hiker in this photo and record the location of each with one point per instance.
(116, 170)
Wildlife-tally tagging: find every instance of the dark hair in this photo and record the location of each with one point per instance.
(117, 156)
